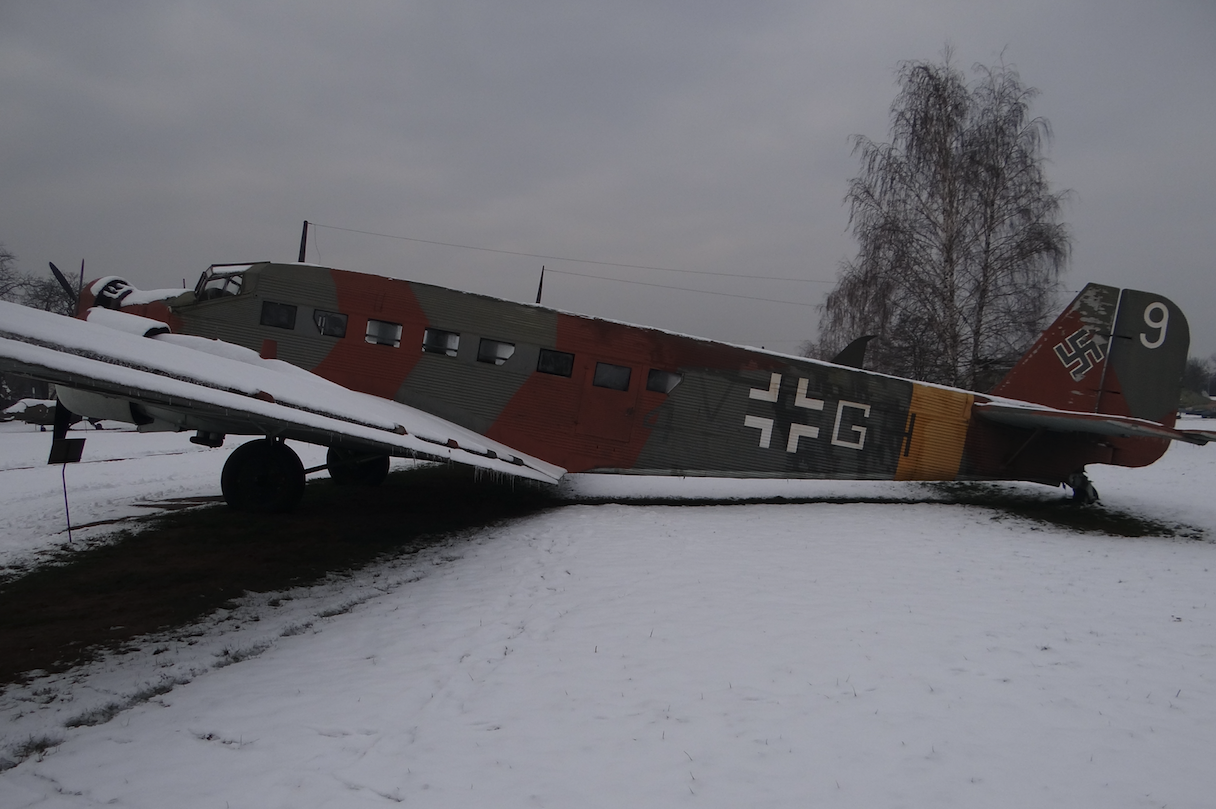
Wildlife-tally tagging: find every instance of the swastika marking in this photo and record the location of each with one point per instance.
(1080, 353)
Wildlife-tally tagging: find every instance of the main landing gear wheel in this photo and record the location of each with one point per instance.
(263, 476)
(1083, 492)
(350, 468)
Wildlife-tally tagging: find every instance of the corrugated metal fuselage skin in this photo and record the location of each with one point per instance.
(735, 412)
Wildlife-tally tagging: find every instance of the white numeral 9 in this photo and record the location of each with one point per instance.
(1156, 316)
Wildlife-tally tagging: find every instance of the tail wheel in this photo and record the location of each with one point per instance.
(263, 476)
(1083, 491)
(350, 468)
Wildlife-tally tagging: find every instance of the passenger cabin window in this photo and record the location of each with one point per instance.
(662, 381)
(279, 315)
(437, 341)
(494, 351)
(330, 324)
(558, 363)
(615, 377)
(383, 333)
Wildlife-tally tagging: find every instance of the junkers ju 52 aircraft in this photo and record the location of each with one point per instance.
(371, 366)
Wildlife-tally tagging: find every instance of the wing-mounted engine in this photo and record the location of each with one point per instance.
(97, 406)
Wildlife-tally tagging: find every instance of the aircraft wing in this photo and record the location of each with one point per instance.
(192, 383)
(1033, 416)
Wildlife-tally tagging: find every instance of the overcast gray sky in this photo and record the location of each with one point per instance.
(154, 138)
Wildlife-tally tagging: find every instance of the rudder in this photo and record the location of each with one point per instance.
(1110, 351)
(1147, 358)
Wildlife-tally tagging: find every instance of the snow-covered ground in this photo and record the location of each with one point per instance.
(121, 476)
(879, 653)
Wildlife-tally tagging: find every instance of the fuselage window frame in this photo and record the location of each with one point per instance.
(329, 324)
(661, 381)
(278, 315)
(440, 341)
(383, 333)
(555, 363)
(494, 352)
(612, 377)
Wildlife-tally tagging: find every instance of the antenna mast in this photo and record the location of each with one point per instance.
(303, 241)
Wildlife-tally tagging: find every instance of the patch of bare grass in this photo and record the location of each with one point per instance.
(176, 568)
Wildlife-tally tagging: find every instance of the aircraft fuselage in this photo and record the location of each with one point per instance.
(594, 395)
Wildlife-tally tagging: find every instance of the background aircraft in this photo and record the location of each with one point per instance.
(372, 366)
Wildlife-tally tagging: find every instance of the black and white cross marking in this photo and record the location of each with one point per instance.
(800, 430)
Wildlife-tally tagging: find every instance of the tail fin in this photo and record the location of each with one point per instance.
(1111, 351)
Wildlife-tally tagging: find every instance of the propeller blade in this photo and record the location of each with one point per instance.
(63, 282)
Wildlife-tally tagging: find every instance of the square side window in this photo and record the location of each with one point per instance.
(437, 341)
(615, 377)
(279, 315)
(383, 333)
(558, 363)
(330, 324)
(662, 381)
(494, 351)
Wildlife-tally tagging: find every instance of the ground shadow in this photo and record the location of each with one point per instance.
(1046, 506)
(175, 568)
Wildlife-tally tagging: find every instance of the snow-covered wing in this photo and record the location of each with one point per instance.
(1033, 416)
(207, 384)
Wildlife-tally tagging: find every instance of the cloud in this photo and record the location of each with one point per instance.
(153, 139)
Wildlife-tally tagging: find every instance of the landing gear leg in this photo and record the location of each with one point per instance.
(1083, 492)
(263, 476)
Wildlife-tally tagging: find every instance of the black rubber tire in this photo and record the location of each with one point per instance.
(350, 468)
(1083, 492)
(263, 476)
(1085, 495)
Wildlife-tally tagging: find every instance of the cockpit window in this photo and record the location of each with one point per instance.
(219, 281)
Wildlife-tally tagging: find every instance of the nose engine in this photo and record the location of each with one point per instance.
(112, 292)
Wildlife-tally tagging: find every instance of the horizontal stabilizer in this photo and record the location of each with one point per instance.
(1068, 421)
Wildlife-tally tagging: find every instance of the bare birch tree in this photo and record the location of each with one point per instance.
(12, 282)
(46, 294)
(960, 250)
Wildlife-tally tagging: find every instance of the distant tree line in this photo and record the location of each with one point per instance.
(1198, 381)
(37, 291)
(40, 292)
